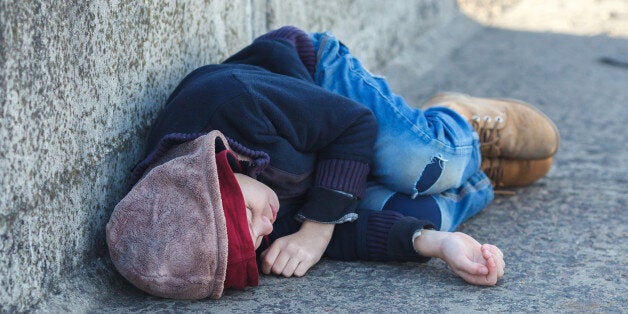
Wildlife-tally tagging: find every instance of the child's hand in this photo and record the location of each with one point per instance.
(295, 254)
(475, 263)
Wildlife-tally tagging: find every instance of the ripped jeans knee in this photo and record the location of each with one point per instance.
(433, 152)
(416, 152)
(446, 210)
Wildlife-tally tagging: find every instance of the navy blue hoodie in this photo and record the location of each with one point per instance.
(263, 98)
(312, 147)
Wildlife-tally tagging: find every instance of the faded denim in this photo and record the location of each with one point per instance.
(433, 152)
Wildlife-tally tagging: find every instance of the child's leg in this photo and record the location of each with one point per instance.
(446, 210)
(459, 204)
(416, 152)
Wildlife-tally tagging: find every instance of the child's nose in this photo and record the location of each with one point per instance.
(274, 210)
(267, 228)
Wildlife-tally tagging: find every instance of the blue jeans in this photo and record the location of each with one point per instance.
(418, 153)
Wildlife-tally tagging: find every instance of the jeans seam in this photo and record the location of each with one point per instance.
(458, 150)
(467, 189)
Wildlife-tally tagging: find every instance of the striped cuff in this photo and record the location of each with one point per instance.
(342, 175)
(388, 236)
(328, 206)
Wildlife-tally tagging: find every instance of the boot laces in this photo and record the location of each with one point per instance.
(488, 131)
(494, 170)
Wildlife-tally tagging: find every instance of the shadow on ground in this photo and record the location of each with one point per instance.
(565, 238)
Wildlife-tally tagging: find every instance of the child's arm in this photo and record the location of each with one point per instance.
(296, 253)
(479, 264)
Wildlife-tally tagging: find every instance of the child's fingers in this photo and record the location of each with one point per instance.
(497, 251)
(264, 252)
(488, 256)
(478, 279)
(470, 267)
(479, 274)
(290, 267)
(302, 268)
(280, 263)
(268, 258)
(498, 257)
(491, 278)
(481, 270)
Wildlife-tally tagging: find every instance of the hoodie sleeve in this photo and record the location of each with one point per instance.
(377, 236)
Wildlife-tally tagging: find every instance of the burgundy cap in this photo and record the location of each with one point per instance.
(168, 236)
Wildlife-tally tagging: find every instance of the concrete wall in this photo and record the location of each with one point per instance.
(81, 82)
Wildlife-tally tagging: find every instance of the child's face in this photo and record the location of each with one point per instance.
(262, 206)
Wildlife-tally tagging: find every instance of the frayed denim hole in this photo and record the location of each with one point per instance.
(430, 175)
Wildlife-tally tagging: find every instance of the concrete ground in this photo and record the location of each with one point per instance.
(565, 238)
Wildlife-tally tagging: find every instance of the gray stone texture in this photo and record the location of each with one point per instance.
(81, 82)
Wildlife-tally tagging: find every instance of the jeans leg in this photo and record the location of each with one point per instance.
(459, 204)
(446, 210)
(409, 141)
(423, 207)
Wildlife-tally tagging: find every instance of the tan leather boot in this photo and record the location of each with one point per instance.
(515, 172)
(507, 128)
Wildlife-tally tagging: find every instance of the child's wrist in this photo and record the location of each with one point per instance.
(428, 244)
(318, 229)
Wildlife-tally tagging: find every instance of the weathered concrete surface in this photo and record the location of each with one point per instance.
(80, 83)
(77, 96)
(376, 30)
(565, 237)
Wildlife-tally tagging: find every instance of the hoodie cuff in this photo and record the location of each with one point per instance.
(389, 237)
(347, 176)
(328, 206)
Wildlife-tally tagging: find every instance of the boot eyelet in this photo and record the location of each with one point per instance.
(499, 119)
(487, 119)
